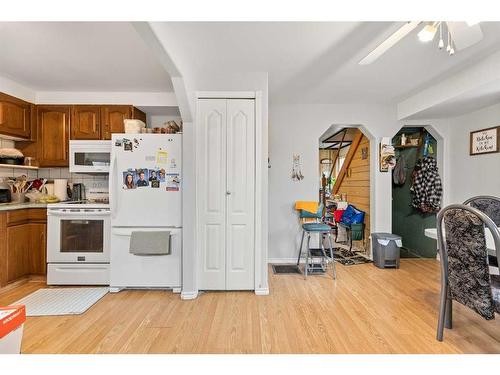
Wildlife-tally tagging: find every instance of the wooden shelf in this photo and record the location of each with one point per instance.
(407, 146)
(13, 166)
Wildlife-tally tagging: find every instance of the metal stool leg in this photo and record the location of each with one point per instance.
(324, 261)
(301, 244)
(307, 254)
(332, 256)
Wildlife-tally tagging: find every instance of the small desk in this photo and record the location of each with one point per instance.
(490, 245)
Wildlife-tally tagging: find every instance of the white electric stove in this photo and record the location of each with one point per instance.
(78, 243)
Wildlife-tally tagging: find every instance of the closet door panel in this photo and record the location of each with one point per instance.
(240, 197)
(211, 193)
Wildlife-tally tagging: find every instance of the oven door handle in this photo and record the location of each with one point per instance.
(82, 215)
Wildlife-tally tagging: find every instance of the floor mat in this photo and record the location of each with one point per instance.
(347, 258)
(285, 269)
(61, 301)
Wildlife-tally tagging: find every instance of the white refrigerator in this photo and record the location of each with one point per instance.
(145, 195)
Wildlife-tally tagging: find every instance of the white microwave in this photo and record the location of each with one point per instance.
(89, 156)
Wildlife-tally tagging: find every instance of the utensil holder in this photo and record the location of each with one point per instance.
(18, 197)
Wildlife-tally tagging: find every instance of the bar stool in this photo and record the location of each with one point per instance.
(311, 254)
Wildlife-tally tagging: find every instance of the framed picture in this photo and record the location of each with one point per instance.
(485, 141)
(387, 155)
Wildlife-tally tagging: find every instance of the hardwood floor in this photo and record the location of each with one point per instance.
(366, 310)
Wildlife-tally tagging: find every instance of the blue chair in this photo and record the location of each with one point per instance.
(323, 230)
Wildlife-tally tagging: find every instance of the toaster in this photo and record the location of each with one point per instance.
(5, 195)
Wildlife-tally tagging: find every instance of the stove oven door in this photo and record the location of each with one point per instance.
(78, 236)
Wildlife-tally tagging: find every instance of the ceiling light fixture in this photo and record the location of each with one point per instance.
(441, 42)
(427, 33)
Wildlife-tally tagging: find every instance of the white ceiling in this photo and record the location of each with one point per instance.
(312, 62)
(307, 62)
(79, 56)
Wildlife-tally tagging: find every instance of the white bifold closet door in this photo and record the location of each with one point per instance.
(226, 193)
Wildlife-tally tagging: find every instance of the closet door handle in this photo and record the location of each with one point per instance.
(228, 192)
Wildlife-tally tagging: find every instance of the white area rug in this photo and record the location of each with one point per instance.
(61, 301)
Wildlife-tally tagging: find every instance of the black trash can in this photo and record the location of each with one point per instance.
(386, 248)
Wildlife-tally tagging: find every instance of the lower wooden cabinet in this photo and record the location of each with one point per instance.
(23, 248)
(18, 249)
(37, 258)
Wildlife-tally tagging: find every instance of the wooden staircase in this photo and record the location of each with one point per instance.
(347, 162)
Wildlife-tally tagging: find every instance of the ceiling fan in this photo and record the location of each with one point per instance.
(457, 36)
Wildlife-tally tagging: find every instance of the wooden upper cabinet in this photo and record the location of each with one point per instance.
(112, 117)
(86, 122)
(139, 115)
(15, 117)
(53, 135)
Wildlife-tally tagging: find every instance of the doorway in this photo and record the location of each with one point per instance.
(344, 179)
(411, 145)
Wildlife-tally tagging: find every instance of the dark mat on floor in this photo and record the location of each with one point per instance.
(347, 258)
(284, 269)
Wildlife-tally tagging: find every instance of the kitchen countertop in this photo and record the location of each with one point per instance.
(21, 206)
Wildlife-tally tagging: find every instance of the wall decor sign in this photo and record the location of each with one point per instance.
(485, 141)
(387, 155)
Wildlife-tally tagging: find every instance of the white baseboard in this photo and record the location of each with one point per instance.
(114, 289)
(284, 260)
(262, 292)
(176, 290)
(189, 295)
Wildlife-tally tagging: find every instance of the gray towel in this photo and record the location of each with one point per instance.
(150, 243)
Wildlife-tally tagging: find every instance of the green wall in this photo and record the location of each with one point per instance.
(407, 221)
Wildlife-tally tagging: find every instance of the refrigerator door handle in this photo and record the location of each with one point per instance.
(113, 191)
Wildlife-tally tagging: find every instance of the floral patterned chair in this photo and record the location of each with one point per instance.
(465, 274)
(489, 205)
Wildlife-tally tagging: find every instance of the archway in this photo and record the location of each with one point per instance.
(345, 176)
(413, 143)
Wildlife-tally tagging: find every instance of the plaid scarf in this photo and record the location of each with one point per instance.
(426, 186)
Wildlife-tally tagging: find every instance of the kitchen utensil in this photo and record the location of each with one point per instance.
(44, 181)
(18, 197)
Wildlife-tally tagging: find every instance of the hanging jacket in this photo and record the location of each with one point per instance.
(399, 171)
(426, 186)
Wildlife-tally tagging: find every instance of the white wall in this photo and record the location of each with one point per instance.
(159, 121)
(295, 129)
(472, 175)
(16, 89)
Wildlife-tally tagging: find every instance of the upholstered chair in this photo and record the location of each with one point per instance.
(465, 274)
(489, 205)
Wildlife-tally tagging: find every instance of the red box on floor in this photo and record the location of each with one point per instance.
(12, 320)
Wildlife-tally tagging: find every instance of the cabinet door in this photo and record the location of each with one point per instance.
(139, 115)
(86, 122)
(112, 117)
(18, 247)
(53, 135)
(15, 117)
(211, 193)
(38, 249)
(240, 194)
